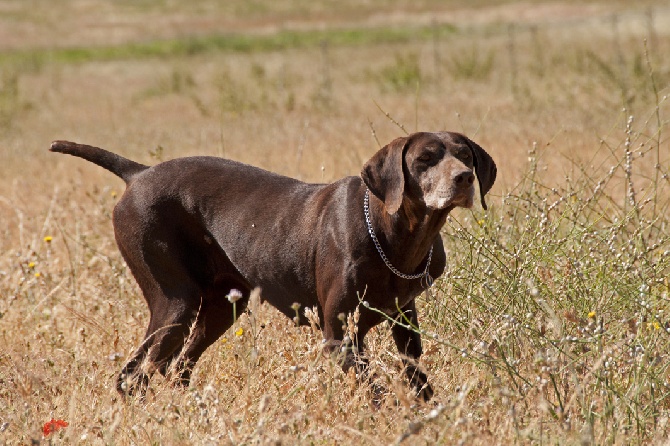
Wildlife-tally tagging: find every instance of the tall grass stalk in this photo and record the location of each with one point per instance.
(561, 299)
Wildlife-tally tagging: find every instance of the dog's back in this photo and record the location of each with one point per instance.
(267, 225)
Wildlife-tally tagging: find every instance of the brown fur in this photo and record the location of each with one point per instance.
(192, 229)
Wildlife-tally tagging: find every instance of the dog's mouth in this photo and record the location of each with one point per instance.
(452, 198)
(465, 199)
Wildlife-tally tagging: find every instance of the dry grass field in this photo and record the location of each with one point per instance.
(552, 322)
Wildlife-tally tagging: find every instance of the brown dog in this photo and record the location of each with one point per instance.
(193, 229)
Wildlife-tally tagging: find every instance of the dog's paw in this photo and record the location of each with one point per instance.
(425, 392)
(378, 394)
(132, 384)
(419, 382)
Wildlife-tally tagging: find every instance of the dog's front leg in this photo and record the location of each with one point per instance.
(350, 353)
(338, 345)
(408, 341)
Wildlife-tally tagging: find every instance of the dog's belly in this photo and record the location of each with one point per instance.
(269, 235)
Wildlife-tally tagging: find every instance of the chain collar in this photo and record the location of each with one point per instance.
(423, 276)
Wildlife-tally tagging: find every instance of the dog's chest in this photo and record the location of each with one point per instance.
(395, 294)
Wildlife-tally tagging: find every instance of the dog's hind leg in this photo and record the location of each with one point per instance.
(173, 310)
(216, 315)
(159, 262)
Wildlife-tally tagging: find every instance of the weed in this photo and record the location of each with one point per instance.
(10, 101)
(567, 305)
(403, 75)
(472, 64)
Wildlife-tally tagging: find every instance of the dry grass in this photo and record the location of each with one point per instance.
(551, 325)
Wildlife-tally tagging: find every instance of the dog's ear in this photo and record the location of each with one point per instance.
(485, 169)
(383, 174)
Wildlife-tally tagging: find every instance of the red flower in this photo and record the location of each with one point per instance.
(52, 426)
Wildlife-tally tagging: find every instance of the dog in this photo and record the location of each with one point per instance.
(196, 230)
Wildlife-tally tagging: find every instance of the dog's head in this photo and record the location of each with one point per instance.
(437, 169)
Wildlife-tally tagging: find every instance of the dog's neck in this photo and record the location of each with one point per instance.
(409, 233)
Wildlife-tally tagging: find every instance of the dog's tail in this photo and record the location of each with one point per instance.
(118, 165)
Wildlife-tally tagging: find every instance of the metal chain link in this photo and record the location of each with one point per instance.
(394, 270)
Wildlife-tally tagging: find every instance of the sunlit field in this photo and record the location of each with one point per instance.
(551, 324)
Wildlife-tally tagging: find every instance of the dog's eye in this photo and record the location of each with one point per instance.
(464, 155)
(424, 158)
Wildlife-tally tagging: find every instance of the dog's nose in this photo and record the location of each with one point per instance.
(464, 179)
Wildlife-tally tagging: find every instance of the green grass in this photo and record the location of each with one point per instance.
(238, 43)
(564, 294)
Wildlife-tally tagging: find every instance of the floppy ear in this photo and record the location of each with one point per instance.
(383, 174)
(485, 169)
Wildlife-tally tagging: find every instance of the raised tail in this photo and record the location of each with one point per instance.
(118, 165)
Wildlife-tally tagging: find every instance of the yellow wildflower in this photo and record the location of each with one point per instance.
(239, 332)
(48, 238)
(31, 265)
(592, 314)
(38, 275)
